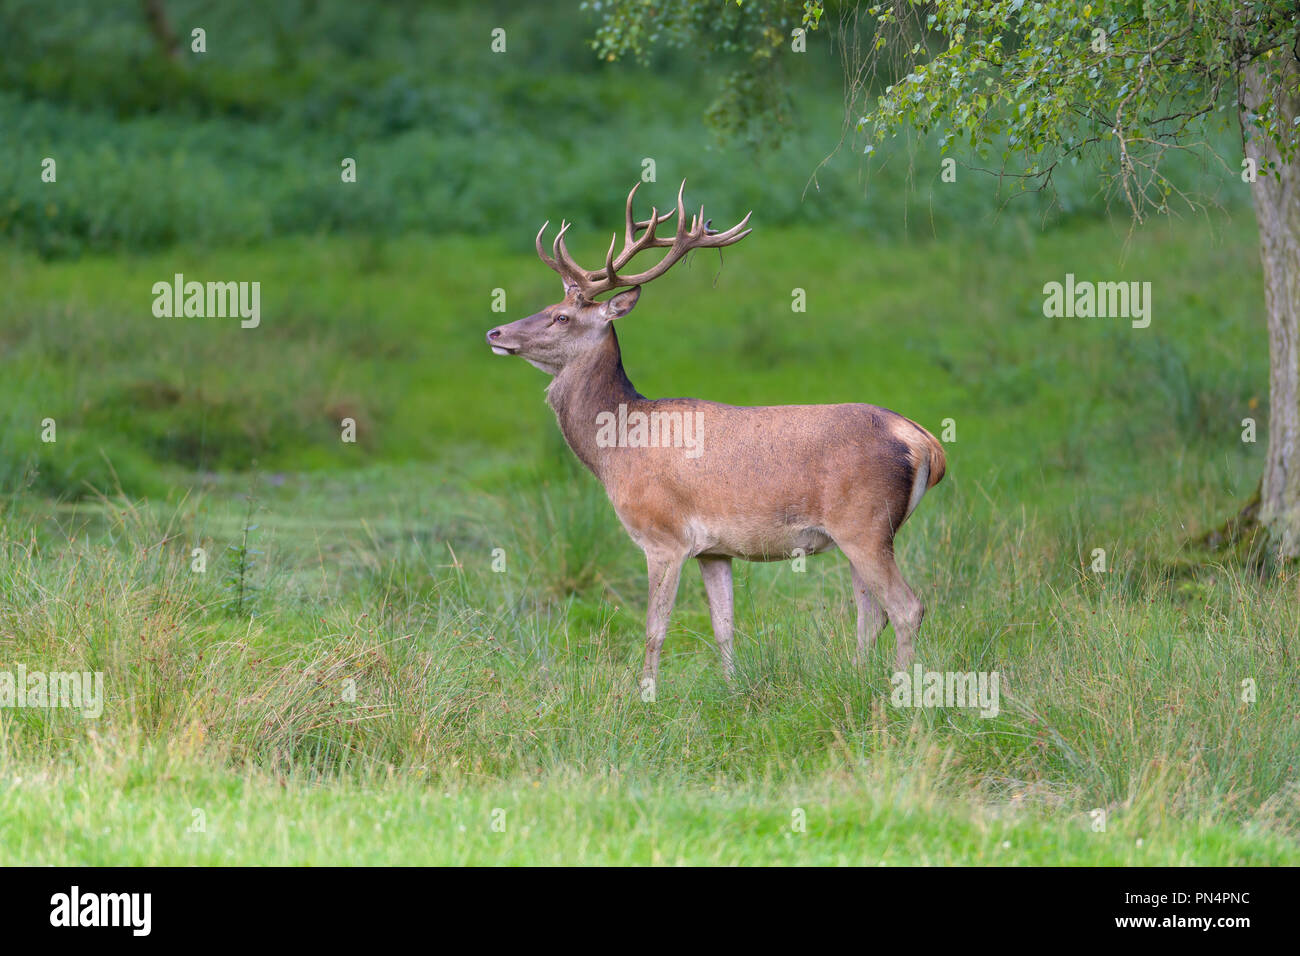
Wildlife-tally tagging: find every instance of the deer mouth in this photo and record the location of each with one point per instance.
(502, 350)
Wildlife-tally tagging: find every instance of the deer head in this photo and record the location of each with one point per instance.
(560, 333)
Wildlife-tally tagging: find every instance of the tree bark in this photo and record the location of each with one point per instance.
(155, 14)
(1276, 193)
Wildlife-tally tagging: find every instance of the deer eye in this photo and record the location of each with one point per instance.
(561, 319)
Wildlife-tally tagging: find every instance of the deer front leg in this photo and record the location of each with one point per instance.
(717, 585)
(665, 572)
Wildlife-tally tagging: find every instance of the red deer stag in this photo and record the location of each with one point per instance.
(696, 479)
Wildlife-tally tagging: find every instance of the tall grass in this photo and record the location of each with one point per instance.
(1130, 702)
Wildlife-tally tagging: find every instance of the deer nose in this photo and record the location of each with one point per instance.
(494, 334)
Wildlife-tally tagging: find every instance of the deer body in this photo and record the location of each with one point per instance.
(756, 483)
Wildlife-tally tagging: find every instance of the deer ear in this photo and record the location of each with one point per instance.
(617, 306)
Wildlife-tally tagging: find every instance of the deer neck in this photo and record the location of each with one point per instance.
(584, 388)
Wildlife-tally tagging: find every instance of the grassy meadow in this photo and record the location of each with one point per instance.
(350, 680)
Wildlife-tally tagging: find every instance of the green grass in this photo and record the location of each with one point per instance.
(115, 818)
(476, 690)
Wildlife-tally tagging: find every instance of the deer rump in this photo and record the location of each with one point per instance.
(763, 483)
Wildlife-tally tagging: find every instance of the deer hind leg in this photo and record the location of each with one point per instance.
(878, 571)
(871, 616)
(665, 572)
(716, 572)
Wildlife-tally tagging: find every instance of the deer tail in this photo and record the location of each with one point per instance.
(938, 460)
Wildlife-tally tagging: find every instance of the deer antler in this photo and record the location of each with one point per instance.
(698, 235)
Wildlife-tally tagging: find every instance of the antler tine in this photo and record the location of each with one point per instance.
(647, 241)
(555, 249)
(559, 238)
(571, 268)
(660, 220)
(541, 251)
(711, 240)
(609, 256)
(636, 225)
(653, 222)
(695, 234)
(630, 233)
(681, 210)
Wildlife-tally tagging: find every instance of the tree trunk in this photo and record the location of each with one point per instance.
(155, 14)
(1277, 208)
